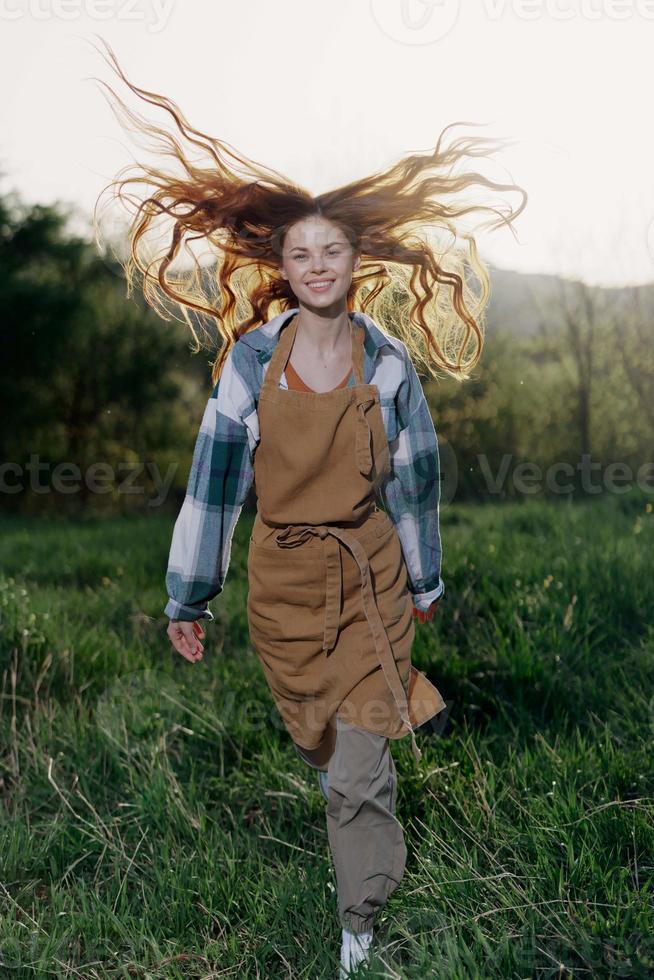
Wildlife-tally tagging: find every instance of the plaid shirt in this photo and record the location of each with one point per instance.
(222, 470)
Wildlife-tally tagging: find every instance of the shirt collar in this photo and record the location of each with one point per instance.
(264, 338)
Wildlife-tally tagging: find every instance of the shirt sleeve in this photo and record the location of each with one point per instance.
(221, 475)
(412, 492)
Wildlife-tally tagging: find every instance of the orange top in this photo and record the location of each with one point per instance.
(295, 382)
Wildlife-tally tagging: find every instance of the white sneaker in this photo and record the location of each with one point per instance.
(355, 950)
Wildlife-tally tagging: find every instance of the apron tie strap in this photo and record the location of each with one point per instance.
(294, 535)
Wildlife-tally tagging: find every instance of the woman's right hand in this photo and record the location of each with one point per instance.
(185, 637)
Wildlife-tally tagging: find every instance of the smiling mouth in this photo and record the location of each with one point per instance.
(319, 284)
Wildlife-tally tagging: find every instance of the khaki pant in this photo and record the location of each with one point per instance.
(365, 837)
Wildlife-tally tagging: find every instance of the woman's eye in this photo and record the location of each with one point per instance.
(333, 251)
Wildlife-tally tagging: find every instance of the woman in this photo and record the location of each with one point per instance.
(323, 411)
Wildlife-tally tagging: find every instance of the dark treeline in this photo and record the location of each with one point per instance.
(101, 400)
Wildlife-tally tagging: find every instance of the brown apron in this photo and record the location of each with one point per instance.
(330, 614)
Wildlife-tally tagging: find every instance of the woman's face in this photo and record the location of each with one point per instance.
(317, 251)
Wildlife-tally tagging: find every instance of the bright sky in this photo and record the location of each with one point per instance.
(329, 92)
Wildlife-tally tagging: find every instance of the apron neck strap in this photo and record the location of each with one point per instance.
(285, 343)
(357, 351)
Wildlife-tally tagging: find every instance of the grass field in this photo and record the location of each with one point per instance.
(156, 821)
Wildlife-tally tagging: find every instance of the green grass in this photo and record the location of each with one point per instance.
(156, 821)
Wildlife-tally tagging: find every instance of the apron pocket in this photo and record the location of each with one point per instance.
(286, 595)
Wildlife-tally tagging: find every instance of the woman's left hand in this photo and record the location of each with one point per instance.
(425, 616)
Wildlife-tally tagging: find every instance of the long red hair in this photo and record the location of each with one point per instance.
(417, 261)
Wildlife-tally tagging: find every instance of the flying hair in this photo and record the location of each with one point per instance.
(421, 277)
